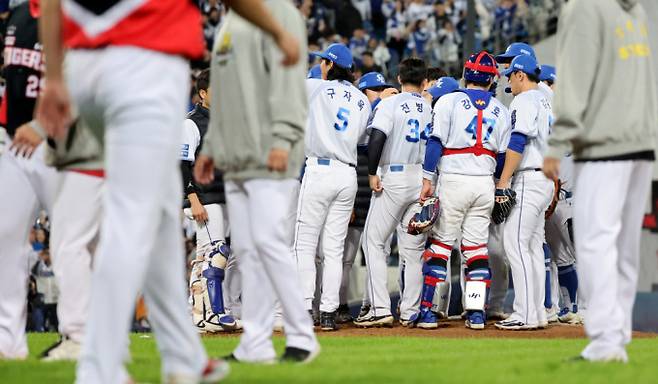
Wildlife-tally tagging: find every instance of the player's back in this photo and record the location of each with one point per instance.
(337, 120)
(456, 125)
(406, 120)
(531, 115)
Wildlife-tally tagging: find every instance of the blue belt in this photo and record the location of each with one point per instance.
(324, 161)
(396, 168)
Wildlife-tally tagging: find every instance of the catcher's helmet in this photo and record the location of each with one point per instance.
(480, 68)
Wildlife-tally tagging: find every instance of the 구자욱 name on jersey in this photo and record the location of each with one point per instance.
(347, 95)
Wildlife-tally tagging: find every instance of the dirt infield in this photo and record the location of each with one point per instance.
(455, 329)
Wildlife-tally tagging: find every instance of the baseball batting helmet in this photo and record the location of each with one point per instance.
(480, 68)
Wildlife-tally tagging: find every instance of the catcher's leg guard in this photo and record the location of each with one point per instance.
(435, 267)
(478, 277)
(568, 278)
(214, 278)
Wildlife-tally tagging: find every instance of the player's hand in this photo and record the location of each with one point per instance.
(26, 140)
(388, 92)
(289, 46)
(503, 184)
(427, 191)
(199, 212)
(375, 183)
(551, 167)
(277, 161)
(54, 109)
(204, 169)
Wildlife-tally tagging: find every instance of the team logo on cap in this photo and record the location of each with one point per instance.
(380, 78)
(333, 56)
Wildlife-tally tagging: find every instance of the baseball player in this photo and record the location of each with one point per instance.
(394, 172)
(497, 259)
(143, 129)
(329, 184)
(259, 147)
(606, 112)
(523, 232)
(206, 209)
(28, 184)
(470, 132)
(562, 282)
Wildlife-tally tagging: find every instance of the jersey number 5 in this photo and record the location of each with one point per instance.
(342, 116)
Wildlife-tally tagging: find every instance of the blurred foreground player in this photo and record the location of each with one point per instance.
(107, 67)
(606, 113)
(258, 141)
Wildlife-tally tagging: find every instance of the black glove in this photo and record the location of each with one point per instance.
(505, 200)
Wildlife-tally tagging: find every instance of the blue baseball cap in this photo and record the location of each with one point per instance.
(515, 49)
(315, 72)
(524, 63)
(547, 73)
(338, 54)
(372, 80)
(442, 87)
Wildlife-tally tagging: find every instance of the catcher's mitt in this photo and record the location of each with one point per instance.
(423, 220)
(505, 200)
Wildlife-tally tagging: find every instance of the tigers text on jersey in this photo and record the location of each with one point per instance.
(406, 120)
(531, 115)
(337, 118)
(455, 123)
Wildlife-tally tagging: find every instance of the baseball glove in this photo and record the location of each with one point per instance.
(505, 200)
(551, 208)
(423, 220)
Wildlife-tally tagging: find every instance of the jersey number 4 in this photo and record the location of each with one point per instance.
(487, 128)
(342, 116)
(414, 131)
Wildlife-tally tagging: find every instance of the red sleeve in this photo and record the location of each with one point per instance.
(3, 109)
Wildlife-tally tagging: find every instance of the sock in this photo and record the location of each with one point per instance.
(548, 304)
(568, 278)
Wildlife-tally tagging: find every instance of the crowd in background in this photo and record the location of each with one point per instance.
(381, 33)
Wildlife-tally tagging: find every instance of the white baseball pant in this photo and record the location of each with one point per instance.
(324, 209)
(610, 197)
(401, 188)
(352, 245)
(523, 240)
(122, 90)
(262, 219)
(76, 220)
(26, 185)
(561, 245)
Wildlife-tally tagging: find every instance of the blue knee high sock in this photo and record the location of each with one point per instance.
(568, 278)
(548, 303)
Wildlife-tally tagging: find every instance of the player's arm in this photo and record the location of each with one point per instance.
(191, 141)
(54, 106)
(287, 98)
(379, 127)
(257, 13)
(504, 133)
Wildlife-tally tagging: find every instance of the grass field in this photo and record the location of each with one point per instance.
(386, 360)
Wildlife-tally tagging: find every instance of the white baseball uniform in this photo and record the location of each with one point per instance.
(337, 119)
(402, 118)
(524, 228)
(473, 128)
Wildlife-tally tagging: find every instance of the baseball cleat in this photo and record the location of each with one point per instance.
(328, 321)
(543, 325)
(369, 321)
(497, 315)
(221, 322)
(514, 325)
(568, 317)
(475, 320)
(64, 349)
(301, 356)
(552, 315)
(365, 309)
(427, 320)
(344, 316)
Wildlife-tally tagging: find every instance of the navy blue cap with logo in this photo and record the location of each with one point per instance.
(373, 80)
(442, 87)
(338, 54)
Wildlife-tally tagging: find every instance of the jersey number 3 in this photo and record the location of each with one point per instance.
(342, 116)
(414, 131)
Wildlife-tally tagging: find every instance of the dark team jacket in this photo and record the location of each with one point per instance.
(208, 194)
(23, 60)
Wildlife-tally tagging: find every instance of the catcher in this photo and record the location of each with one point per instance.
(470, 134)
